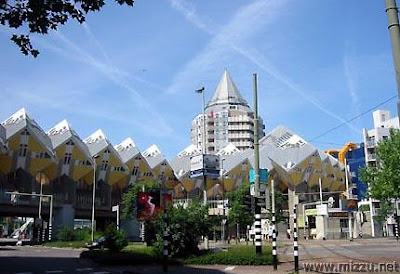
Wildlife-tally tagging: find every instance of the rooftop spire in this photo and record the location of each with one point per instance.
(227, 92)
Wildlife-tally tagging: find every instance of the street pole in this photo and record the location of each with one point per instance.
(223, 200)
(51, 217)
(295, 240)
(116, 208)
(348, 197)
(320, 190)
(393, 26)
(274, 253)
(204, 152)
(396, 224)
(41, 193)
(94, 195)
(118, 217)
(257, 223)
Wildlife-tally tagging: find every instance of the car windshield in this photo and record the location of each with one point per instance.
(101, 239)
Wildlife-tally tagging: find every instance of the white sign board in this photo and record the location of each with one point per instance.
(196, 163)
(204, 165)
(115, 208)
(209, 162)
(322, 210)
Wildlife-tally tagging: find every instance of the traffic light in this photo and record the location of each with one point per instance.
(249, 203)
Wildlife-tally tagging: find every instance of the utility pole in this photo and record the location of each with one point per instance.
(257, 222)
(393, 26)
(41, 193)
(348, 197)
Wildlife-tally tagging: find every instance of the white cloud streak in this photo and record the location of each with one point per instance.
(118, 77)
(244, 24)
(351, 79)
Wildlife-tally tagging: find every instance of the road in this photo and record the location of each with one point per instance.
(33, 259)
(27, 259)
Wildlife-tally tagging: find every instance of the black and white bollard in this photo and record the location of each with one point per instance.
(295, 241)
(50, 228)
(165, 241)
(257, 226)
(396, 228)
(288, 228)
(274, 253)
(142, 232)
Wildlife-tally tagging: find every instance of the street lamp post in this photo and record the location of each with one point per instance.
(203, 152)
(223, 200)
(41, 193)
(394, 29)
(94, 193)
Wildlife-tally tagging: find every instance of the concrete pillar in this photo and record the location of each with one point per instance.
(321, 223)
(64, 215)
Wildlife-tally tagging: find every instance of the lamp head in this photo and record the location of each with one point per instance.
(200, 90)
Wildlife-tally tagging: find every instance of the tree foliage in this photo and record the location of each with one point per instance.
(130, 196)
(384, 179)
(185, 227)
(115, 239)
(40, 16)
(237, 213)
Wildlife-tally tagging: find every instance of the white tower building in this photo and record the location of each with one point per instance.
(382, 124)
(229, 119)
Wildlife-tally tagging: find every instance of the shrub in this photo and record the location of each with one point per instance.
(66, 234)
(240, 255)
(185, 228)
(115, 239)
(84, 234)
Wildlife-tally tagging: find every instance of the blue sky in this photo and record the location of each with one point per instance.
(132, 71)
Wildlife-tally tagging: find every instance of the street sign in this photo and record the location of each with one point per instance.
(115, 208)
(322, 210)
(263, 175)
(204, 165)
(349, 204)
(311, 212)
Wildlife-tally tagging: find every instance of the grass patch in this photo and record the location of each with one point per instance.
(238, 255)
(72, 244)
(133, 254)
(137, 254)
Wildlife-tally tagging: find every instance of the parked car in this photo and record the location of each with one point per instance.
(97, 244)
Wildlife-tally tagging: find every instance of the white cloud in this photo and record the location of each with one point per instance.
(146, 115)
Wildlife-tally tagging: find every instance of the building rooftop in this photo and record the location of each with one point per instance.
(62, 132)
(127, 150)
(22, 120)
(227, 93)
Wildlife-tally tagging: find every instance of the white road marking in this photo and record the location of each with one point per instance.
(229, 268)
(84, 269)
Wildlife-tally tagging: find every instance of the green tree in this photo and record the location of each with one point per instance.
(238, 216)
(186, 226)
(384, 178)
(115, 239)
(40, 16)
(129, 198)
